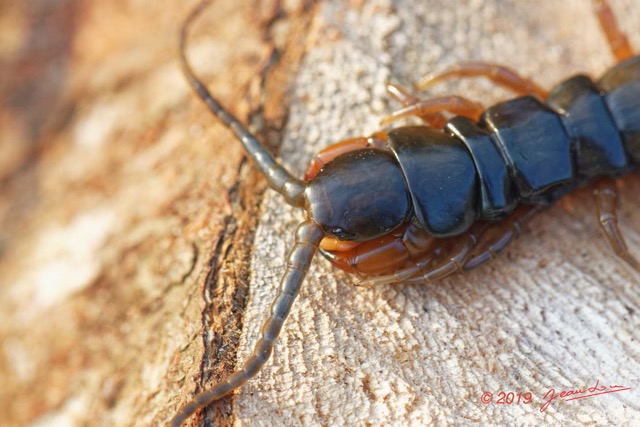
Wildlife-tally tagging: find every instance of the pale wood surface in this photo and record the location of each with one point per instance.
(103, 321)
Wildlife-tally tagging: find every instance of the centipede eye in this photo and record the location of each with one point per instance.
(341, 234)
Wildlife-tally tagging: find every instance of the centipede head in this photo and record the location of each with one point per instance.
(358, 196)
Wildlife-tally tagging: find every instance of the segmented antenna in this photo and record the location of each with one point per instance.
(278, 178)
(308, 237)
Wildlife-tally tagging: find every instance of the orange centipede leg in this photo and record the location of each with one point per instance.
(456, 105)
(617, 39)
(386, 254)
(499, 74)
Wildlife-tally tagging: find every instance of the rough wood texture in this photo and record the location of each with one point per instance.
(114, 178)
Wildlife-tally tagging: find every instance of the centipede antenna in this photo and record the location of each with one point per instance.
(308, 237)
(278, 178)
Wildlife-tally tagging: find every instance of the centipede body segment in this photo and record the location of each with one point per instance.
(414, 204)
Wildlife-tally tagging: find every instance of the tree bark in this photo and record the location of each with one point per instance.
(139, 252)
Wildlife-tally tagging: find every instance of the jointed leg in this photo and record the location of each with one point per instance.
(499, 236)
(386, 254)
(607, 200)
(480, 244)
(436, 120)
(498, 74)
(454, 104)
(510, 79)
(617, 39)
(430, 110)
(457, 258)
(401, 275)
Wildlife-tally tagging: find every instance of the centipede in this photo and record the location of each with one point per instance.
(414, 204)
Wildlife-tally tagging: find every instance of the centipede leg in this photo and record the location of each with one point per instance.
(499, 236)
(456, 258)
(606, 195)
(399, 276)
(430, 110)
(618, 41)
(386, 254)
(421, 248)
(498, 74)
(476, 247)
(436, 120)
(456, 105)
